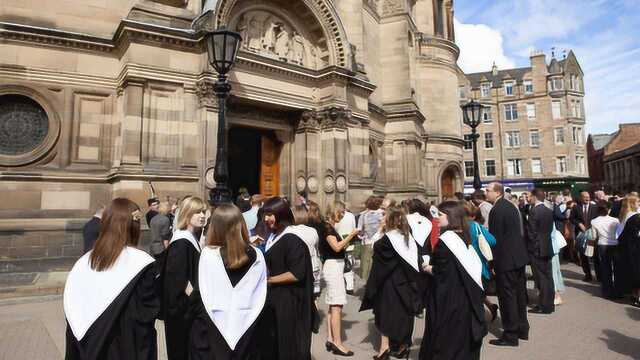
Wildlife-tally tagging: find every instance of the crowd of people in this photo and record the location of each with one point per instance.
(243, 280)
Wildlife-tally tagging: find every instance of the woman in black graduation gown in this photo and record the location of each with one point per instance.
(455, 322)
(109, 298)
(285, 330)
(180, 276)
(392, 290)
(629, 253)
(231, 292)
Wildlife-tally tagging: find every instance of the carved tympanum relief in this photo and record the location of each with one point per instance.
(269, 35)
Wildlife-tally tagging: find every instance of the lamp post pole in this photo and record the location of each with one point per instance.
(477, 184)
(472, 113)
(221, 194)
(222, 48)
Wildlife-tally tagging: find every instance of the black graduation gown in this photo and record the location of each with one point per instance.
(629, 250)
(125, 330)
(205, 340)
(455, 322)
(286, 325)
(181, 268)
(392, 292)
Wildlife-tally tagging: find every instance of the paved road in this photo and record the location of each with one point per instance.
(585, 327)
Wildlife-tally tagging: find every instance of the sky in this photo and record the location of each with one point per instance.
(604, 35)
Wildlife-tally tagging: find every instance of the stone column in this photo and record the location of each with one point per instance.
(131, 125)
(307, 155)
(334, 153)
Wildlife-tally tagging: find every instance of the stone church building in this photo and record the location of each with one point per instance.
(101, 99)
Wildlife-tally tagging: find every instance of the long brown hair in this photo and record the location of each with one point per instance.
(396, 219)
(120, 227)
(457, 218)
(229, 231)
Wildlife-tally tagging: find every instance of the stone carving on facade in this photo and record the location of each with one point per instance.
(335, 118)
(175, 3)
(301, 183)
(206, 94)
(308, 122)
(269, 35)
(391, 7)
(341, 183)
(329, 184)
(312, 184)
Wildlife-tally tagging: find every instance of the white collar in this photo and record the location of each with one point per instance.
(88, 293)
(232, 309)
(274, 239)
(408, 252)
(466, 255)
(187, 235)
(420, 227)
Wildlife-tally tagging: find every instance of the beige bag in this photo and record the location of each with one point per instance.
(485, 249)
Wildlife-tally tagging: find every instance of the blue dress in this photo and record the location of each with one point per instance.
(474, 228)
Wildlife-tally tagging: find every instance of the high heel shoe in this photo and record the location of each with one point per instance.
(494, 312)
(336, 351)
(383, 356)
(329, 345)
(402, 354)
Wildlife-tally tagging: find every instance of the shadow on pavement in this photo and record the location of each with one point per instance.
(633, 313)
(622, 344)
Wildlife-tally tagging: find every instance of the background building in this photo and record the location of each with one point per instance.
(342, 99)
(622, 160)
(533, 132)
(595, 155)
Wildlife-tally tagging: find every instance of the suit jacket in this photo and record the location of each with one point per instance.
(90, 233)
(577, 215)
(539, 228)
(505, 224)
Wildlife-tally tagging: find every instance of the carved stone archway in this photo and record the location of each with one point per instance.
(322, 10)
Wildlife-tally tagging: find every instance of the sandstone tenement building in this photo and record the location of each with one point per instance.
(533, 133)
(98, 99)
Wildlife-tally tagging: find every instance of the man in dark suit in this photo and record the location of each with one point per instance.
(581, 217)
(539, 227)
(510, 258)
(91, 229)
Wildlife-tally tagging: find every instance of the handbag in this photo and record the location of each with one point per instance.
(557, 241)
(484, 246)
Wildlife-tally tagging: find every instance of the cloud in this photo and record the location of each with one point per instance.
(480, 46)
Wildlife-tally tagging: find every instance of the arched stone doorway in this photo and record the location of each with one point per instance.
(449, 182)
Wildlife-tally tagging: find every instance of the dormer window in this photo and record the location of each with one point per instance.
(508, 87)
(485, 89)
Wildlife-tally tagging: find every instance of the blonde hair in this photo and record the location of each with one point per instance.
(229, 231)
(629, 204)
(332, 209)
(164, 208)
(190, 207)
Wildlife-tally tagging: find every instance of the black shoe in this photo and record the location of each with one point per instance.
(383, 356)
(636, 303)
(539, 310)
(503, 342)
(337, 351)
(524, 337)
(494, 312)
(402, 353)
(350, 292)
(329, 345)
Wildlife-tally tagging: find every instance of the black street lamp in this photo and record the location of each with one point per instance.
(222, 48)
(472, 113)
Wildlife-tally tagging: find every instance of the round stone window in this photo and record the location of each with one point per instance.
(27, 129)
(24, 125)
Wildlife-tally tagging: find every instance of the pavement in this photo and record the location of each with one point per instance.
(584, 327)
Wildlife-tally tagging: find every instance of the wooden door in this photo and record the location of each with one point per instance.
(269, 166)
(447, 184)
